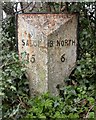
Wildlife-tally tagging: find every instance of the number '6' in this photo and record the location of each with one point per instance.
(63, 58)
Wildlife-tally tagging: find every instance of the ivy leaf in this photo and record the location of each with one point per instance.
(91, 115)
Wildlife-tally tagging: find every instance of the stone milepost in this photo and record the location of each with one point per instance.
(49, 43)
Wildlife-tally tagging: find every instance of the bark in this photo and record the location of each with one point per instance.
(8, 8)
(21, 4)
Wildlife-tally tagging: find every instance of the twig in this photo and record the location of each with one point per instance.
(24, 8)
(33, 7)
(7, 64)
(21, 4)
(48, 7)
(65, 7)
(21, 102)
(54, 8)
(16, 6)
(89, 111)
(61, 5)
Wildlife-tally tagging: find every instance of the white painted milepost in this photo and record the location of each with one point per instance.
(49, 43)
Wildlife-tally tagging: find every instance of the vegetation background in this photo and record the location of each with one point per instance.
(77, 97)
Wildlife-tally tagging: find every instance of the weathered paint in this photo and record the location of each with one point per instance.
(51, 43)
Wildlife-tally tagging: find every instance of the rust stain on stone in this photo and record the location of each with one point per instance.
(25, 34)
(29, 39)
(31, 49)
(44, 48)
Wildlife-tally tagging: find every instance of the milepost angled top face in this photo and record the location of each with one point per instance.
(49, 43)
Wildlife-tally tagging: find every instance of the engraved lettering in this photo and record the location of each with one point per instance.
(66, 42)
(73, 42)
(50, 43)
(62, 43)
(23, 42)
(63, 58)
(27, 43)
(58, 43)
